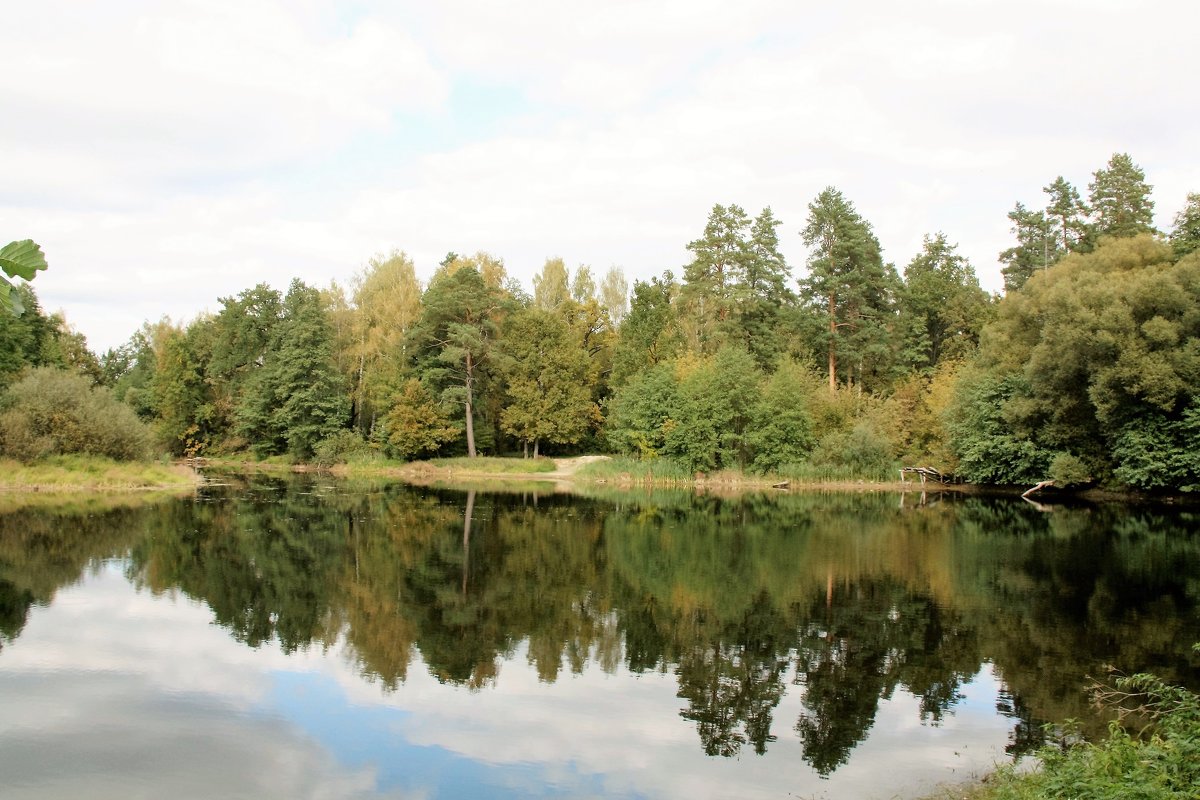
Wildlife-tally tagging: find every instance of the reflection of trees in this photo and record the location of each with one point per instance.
(733, 684)
(849, 597)
(43, 549)
(859, 643)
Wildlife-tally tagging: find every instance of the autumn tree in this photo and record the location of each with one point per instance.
(551, 286)
(415, 423)
(614, 295)
(387, 303)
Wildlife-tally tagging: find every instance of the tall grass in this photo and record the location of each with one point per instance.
(91, 473)
(495, 466)
(624, 469)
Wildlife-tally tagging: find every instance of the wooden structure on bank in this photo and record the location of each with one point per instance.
(925, 473)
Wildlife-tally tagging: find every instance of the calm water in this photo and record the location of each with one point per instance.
(301, 639)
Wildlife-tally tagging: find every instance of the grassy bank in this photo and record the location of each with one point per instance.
(91, 474)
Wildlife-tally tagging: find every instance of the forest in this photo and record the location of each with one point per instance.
(1086, 371)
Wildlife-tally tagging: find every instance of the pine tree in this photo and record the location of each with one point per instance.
(850, 285)
(719, 262)
(1120, 199)
(762, 292)
(1032, 251)
(452, 341)
(1066, 215)
(942, 303)
(1185, 236)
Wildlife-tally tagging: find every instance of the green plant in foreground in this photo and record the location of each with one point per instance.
(1160, 762)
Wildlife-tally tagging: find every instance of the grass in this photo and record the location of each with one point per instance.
(92, 473)
(623, 469)
(495, 466)
(666, 472)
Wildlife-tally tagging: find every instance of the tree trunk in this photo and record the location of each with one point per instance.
(832, 343)
(470, 407)
(536, 442)
(470, 510)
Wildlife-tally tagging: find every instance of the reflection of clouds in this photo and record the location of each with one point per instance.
(123, 741)
(174, 705)
(628, 729)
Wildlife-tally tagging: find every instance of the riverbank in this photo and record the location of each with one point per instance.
(66, 474)
(620, 472)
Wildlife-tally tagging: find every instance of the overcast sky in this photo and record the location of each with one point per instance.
(167, 154)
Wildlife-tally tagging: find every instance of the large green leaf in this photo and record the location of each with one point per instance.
(10, 299)
(23, 258)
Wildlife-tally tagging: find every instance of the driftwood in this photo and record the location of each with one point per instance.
(1038, 488)
(925, 473)
(780, 485)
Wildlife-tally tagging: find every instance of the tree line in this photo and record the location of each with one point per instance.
(1086, 370)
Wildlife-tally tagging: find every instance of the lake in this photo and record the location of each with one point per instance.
(312, 638)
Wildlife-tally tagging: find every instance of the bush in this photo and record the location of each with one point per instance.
(862, 452)
(53, 412)
(342, 447)
(1163, 762)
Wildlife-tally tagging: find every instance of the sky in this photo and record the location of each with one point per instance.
(166, 155)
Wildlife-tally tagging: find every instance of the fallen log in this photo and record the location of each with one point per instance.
(1038, 488)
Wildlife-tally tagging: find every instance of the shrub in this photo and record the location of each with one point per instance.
(862, 452)
(52, 412)
(342, 447)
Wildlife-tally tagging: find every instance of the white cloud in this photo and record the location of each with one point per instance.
(202, 148)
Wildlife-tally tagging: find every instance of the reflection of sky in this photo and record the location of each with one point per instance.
(114, 693)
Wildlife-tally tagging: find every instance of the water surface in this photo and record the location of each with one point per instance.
(306, 638)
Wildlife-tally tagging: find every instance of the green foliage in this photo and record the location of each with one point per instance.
(1032, 252)
(545, 374)
(942, 304)
(862, 452)
(297, 398)
(851, 289)
(1098, 357)
(1067, 470)
(1120, 199)
(24, 338)
(641, 413)
(20, 259)
(781, 429)
(1185, 235)
(1161, 764)
(716, 402)
(342, 447)
(650, 335)
(1156, 451)
(415, 423)
(452, 341)
(52, 412)
(989, 447)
